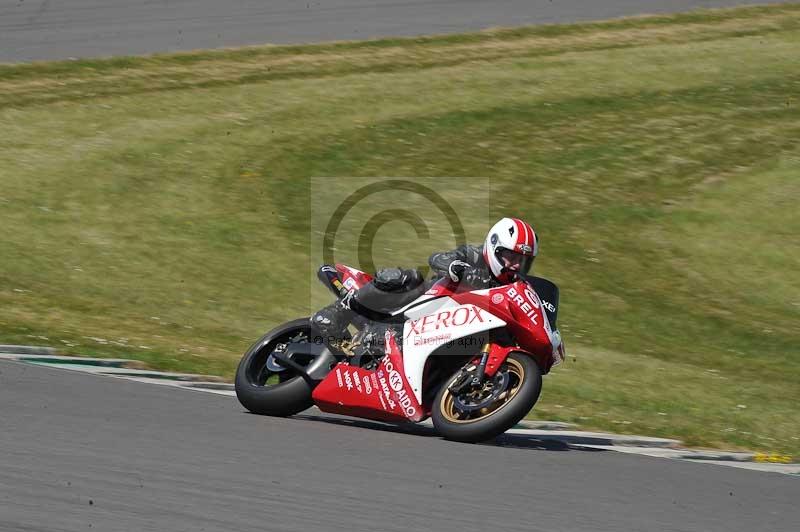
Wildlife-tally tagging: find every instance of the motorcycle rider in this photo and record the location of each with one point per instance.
(509, 250)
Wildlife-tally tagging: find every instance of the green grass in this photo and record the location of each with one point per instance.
(159, 207)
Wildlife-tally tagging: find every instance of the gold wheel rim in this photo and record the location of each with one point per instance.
(516, 373)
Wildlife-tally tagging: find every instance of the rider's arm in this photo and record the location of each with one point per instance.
(440, 262)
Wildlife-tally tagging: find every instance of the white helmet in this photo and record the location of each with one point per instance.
(510, 248)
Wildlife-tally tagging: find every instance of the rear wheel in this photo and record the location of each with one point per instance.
(265, 387)
(476, 413)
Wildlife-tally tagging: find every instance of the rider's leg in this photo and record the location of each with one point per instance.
(371, 301)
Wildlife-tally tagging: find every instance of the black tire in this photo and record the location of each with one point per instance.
(499, 420)
(290, 396)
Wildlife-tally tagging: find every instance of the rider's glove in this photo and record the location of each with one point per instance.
(456, 270)
(476, 277)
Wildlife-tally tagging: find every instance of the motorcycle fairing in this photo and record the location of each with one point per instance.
(436, 324)
(352, 279)
(515, 306)
(382, 394)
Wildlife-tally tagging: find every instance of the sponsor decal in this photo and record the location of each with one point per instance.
(433, 340)
(396, 383)
(350, 283)
(446, 319)
(549, 306)
(367, 385)
(395, 380)
(405, 402)
(525, 248)
(527, 304)
(383, 402)
(357, 381)
(384, 386)
(532, 298)
(339, 377)
(348, 381)
(537, 302)
(497, 299)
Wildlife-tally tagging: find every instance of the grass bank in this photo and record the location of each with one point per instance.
(158, 207)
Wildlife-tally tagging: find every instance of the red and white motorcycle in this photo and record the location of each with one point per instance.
(472, 360)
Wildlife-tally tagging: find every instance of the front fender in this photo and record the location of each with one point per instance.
(498, 354)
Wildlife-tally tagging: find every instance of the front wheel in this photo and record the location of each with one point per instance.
(478, 413)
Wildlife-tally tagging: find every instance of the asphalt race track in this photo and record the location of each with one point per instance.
(83, 452)
(45, 29)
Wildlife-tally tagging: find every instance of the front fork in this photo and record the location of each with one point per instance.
(472, 378)
(485, 366)
(480, 372)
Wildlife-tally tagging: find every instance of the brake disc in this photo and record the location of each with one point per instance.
(479, 397)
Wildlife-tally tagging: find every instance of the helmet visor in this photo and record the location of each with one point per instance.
(514, 261)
